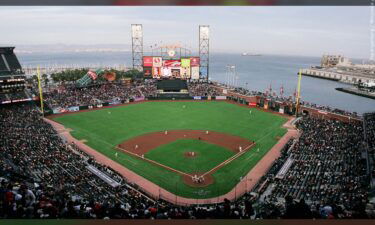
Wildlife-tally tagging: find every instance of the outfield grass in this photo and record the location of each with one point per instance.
(104, 129)
(172, 155)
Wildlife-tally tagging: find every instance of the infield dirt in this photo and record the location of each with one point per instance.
(140, 145)
(145, 143)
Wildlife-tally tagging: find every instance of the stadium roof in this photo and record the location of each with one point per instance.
(9, 64)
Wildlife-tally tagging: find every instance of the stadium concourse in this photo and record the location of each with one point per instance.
(322, 174)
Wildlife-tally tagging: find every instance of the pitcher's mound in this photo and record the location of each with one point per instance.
(190, 154)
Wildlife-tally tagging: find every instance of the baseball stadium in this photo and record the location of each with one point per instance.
(161, 140)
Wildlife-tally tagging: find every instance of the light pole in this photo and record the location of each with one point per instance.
(231, 75)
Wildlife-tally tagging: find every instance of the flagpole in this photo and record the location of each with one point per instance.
(40, 91)
(298, 91)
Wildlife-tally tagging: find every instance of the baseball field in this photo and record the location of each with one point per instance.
(192, 149)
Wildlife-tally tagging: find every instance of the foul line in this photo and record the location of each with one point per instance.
(152, 161)
(229, 160)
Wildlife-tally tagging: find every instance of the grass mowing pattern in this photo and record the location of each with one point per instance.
(104, 129)
(172, 155)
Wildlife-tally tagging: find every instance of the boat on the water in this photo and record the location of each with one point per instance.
(250, 54)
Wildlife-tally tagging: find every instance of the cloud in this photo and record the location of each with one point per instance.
(272, 30)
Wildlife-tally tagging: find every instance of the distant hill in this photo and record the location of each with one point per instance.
(72, 48)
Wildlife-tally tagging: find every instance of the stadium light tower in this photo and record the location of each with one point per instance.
(204, 53)
(231, 75)
(137, 46)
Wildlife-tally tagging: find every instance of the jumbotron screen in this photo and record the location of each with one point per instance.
(183, 68)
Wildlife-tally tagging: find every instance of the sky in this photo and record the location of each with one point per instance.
(286, 30)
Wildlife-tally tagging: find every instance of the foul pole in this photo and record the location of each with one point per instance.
(298, 91)
(40, 91)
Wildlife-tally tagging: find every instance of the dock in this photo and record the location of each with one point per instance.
(356, 91)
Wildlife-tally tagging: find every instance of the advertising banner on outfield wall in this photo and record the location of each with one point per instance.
(115, 102)
(73, 109)
(139, 99)
(197, 97)
(221, 97)
(281, 110)
(194, 61)
(157, 62)
(195, 73)
(147, 61)
(252, 104)
(58, 110)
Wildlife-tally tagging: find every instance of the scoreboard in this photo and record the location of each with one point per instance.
(181, 68)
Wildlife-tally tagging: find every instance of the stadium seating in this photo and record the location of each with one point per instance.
(369, 126)
(69, 95)
(42, 176)
(202, 89)
(327, 169)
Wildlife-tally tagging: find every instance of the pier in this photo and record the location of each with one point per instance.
(339, 75)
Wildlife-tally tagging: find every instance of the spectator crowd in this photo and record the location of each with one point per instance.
(43, 176)
(369, 128)
(327, 178)
(202, 89)
(69, 95)
(274, 97)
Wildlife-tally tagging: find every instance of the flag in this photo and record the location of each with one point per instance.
(282, 90)
(270, 88)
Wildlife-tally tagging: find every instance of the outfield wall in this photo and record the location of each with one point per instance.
(268, 104)
(60, 110)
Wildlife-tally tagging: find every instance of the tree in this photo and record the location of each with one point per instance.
(35, 79)
(45, 79)
(133, 73)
